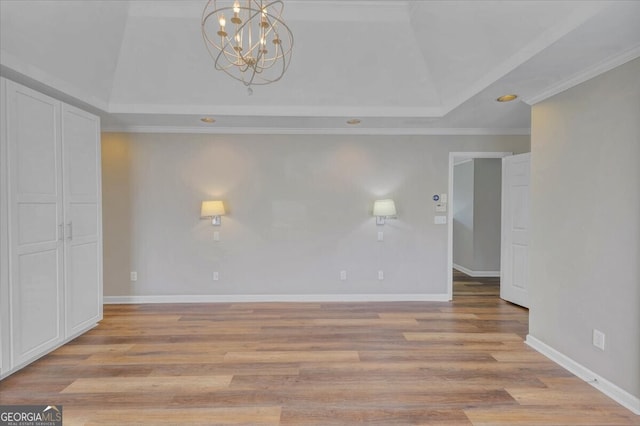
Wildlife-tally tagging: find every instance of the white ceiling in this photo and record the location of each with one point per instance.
(399, 66)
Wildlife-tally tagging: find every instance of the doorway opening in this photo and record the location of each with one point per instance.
(473, 259)
(467, 285)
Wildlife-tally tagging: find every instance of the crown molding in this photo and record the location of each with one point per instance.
(586, 74)
(303, 111)
(38, 79)
(320, 131)
(535, 47)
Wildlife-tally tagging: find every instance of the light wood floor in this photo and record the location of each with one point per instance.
(459, 363)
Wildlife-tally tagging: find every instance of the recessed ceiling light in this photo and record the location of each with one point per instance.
(208, 120)
(506, 98)
(353, 121)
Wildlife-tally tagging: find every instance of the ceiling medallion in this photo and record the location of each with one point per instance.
(248, 39)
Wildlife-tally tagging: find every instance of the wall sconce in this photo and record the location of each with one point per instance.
(212, 209)
(384, 209)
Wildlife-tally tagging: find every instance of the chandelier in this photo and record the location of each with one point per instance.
(248, 39)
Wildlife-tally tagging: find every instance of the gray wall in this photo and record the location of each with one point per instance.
(585, 220)
(299, 211)
(487, 203)
(476, 215)
(463, 215)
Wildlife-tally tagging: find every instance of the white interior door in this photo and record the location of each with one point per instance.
(83, 251)
(35, 217)
(514, 262)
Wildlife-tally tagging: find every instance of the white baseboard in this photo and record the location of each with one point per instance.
(614, 392)
(472, 273)
(239, 298)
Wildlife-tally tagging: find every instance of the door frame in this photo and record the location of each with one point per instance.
(453, 158)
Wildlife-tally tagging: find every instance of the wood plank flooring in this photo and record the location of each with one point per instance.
(459, 363)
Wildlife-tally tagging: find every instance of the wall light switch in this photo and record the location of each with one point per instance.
(380, 236)
(443, 198)
(343, 275)
(216, 236)
(134, 276)
(216, 276)
(380, 275)
(440, 220)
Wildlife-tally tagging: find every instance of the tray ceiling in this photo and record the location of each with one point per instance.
(399, 66)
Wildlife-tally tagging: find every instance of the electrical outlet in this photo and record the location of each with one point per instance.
(216, 276)
(343, 275)
(598, 339)
(134, 276)
(216, 236)
(380, 275)
(380, 236)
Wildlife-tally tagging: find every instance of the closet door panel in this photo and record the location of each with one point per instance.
(85, 220)
(37, 223)
(34, 123)
(84, 304)
(35, 216)
(36, 310)
(81, 155)
(83, 249)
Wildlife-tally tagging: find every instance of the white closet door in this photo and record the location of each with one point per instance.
(83, 251)
(35, 218)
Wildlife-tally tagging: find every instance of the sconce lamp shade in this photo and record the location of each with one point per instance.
(212, 208)
(384, 208)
